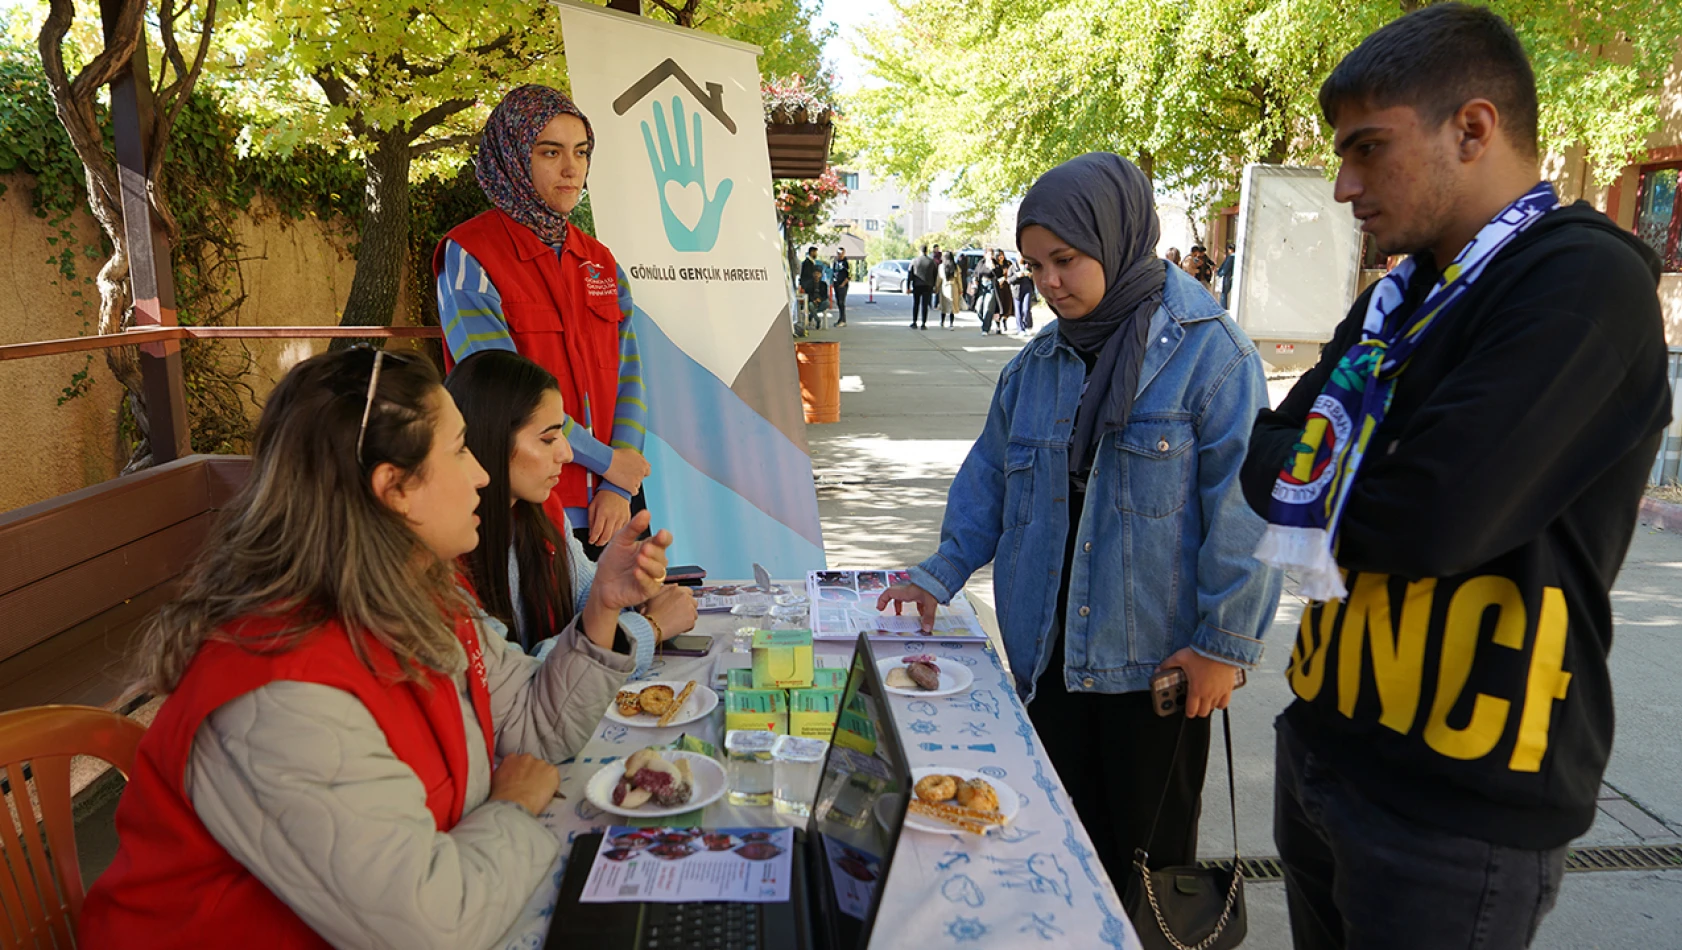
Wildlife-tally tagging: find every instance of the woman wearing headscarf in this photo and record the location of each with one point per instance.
(520, 277)
(1104, 489)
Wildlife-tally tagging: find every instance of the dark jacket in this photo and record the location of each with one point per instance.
(1464, 681)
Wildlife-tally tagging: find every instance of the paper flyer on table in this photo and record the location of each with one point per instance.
(672, 865)
(844, 606)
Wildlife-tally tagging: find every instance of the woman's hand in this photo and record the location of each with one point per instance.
(908, 593)
(525, 780)
(627, 470)
(609, 512)
(672, 610)
(629, 571)
(1209, 683)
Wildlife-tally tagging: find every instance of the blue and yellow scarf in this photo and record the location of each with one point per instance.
(1313, 487)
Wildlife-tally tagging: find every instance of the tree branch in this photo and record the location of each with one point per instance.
(422, 148)
(338, 92)
(438, 113)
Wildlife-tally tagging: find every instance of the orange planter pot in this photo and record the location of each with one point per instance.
(820, 380)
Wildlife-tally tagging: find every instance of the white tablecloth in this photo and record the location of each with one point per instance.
(1037, 882)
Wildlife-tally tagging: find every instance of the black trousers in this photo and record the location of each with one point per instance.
(920, 295)
(841, 302)
(1115, 756)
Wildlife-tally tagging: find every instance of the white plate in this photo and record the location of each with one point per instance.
(1009, 802)
(702, 701)
(707, 781)
(954, 677)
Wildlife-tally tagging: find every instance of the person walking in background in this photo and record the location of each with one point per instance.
(1024, 281)
(922, 288)
(1120, 543)
(841, 278)
(943, 264)
(1197, 265)
(1455, 486)
(1173, 256)
(1224, 275)
(811, 282)
(1001, 285)
(984, 287)
(952, 279)
(520, 277)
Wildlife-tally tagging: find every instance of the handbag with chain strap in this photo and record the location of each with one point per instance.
(1189, 908)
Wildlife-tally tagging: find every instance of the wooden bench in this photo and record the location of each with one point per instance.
(81, 573)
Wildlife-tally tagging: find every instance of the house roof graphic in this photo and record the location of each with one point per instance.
(712, 99)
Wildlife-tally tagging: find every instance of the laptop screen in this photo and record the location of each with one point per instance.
(860, 806)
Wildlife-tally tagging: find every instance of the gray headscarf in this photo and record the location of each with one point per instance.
(1103, 206)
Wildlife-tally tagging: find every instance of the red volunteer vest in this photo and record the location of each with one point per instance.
(172, 884)
(563, 314)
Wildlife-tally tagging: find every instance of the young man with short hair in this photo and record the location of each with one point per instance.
(922, 279)
(1455, 486)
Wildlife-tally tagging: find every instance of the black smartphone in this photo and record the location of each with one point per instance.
(687, 645)
(1168, 690)
(686, 575)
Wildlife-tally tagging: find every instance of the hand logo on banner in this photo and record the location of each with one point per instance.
(683, 181)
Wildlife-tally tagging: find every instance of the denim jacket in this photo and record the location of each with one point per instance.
(1163, 551)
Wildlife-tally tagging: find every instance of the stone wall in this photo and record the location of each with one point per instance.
(295, 273)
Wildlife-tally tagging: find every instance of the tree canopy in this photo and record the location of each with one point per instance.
(996, 91)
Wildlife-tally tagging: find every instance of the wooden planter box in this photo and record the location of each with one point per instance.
(798, 151)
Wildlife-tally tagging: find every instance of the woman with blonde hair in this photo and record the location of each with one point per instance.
(322, 773)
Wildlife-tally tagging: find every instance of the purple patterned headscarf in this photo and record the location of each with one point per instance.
(503, 162)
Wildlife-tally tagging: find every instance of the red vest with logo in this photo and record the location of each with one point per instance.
(172, 884)
(563, 314)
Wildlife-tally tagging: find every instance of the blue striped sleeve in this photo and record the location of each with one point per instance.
(630, 414)
(469, 306)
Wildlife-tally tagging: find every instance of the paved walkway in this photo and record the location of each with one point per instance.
(912, 403)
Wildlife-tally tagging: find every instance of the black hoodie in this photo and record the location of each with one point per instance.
(1463, 683)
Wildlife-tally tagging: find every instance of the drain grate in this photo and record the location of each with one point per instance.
(1632, 857)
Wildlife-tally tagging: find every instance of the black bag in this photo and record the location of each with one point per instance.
(1189, 908)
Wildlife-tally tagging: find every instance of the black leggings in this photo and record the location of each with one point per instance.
(1114, 755)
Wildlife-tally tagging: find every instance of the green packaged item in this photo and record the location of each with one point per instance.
(782, 659)
(760, 710)
(811, 712)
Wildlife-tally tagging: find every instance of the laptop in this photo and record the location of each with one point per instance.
(839, 865)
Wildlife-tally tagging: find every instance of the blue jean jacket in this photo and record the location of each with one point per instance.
(1163, 550)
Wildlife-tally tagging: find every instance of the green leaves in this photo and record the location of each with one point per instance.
(987, 95)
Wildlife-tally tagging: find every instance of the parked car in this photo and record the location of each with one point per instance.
(891, 275)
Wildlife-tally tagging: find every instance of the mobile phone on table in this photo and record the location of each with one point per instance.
(1168, 690)
(686, 575)
(687, 645)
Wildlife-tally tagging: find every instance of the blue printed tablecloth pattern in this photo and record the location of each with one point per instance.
(1037, 882)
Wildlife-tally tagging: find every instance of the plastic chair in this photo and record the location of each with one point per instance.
(33, 912)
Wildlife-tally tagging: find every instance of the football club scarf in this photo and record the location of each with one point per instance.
(1313, 486)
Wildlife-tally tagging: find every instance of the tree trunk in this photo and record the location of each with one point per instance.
(1147, 163)
(384, 239)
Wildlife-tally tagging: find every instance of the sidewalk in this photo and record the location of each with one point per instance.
(913, 401)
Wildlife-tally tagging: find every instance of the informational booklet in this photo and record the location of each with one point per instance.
(844, 606)
(674, 865)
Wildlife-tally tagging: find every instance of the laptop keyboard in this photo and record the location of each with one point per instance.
(701, 926)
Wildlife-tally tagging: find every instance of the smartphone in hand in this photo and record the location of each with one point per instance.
(687, 645)
(1168, 691)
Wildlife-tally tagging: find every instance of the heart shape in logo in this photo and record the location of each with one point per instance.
(686, 202)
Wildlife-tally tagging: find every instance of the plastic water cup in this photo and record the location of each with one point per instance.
(797, 763)
(748, 767)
